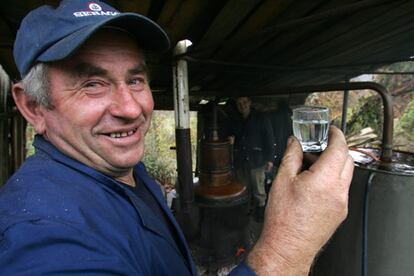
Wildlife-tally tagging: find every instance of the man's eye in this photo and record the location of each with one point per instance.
(92, 84)
(137, 83)
(94, 87)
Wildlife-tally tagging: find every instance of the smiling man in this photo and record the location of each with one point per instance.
(101, 104)
(84, 203)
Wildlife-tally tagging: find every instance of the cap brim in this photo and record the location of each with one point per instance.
(148, 34)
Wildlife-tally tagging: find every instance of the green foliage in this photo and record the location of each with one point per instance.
(405, 125)
(366, 114)
(159, 158)
(30, 133)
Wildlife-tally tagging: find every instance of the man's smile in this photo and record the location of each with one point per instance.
(122, 134)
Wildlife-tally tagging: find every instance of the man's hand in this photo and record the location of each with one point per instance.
(304, 209)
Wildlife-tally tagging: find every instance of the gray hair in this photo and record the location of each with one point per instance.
(36, 85)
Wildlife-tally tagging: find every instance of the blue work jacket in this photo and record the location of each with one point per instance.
(59, 216)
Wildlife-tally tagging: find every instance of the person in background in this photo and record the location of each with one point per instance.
(84, 203)
(253, 152)
(282, 129)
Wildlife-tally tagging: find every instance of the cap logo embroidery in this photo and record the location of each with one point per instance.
(94, 9)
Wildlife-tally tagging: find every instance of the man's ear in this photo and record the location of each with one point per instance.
(32, 111)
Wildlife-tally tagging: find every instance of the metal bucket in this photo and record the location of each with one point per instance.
(377, 238)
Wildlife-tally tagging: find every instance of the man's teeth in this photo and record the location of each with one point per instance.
(122, 134)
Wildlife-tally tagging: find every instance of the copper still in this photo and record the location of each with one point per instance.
(216, 185)
(222, 199)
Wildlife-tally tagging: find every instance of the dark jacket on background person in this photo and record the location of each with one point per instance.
(254, 142)
(282, 128)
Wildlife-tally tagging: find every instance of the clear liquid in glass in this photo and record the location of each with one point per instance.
(312, 134)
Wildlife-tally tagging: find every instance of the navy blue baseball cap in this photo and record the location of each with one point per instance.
(47, 34)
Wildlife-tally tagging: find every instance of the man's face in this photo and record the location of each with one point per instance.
(243, 106)
(102, 104)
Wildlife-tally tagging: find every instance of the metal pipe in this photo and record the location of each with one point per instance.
(344, 109)
(214, 125)
(387, 132)
(182, 125)
(180, 87)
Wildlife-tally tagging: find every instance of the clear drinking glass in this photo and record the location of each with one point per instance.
(310, 126)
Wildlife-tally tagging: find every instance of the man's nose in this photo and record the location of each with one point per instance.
(124, 104)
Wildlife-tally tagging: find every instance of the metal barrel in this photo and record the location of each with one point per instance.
(377, 236)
